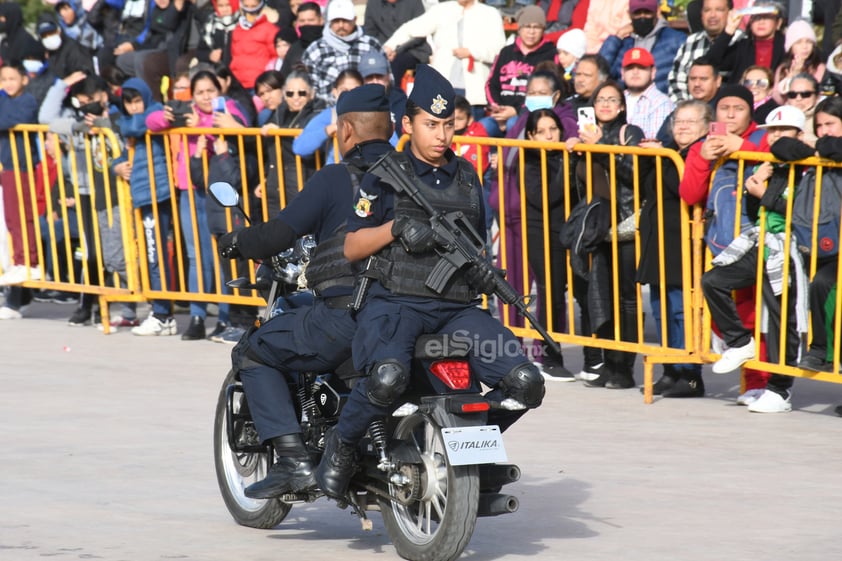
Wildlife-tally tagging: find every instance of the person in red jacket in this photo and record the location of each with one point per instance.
(734, 107)
(253, 41)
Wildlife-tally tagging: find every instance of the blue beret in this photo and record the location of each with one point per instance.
(432, 92)
(370, 97)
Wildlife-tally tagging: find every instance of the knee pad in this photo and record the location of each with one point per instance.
(524, 383)
(387, 381)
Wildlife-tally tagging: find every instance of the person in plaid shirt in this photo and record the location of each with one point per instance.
(714, 17)
(646, 106)
(341, 47)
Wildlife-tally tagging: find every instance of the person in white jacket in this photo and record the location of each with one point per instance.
(466, 34)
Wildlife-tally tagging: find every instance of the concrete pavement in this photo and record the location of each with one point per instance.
(107, 454)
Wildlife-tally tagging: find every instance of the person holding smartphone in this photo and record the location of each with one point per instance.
(205, 89)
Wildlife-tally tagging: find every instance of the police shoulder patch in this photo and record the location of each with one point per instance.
(363, 207)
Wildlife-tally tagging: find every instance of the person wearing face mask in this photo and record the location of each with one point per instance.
(215, 32)
(343, 45)
(647, 30)
(309, 25)
(252, 41)
(64, 55)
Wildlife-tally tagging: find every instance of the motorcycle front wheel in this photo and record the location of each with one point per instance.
(435, 513)
(237, 470)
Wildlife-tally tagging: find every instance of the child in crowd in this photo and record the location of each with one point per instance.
(283, 41)
(570, 47)
(150, 193)
(18, 107)
(803, 55)
(466, 125)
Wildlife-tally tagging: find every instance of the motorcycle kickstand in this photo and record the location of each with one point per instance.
(354, 501)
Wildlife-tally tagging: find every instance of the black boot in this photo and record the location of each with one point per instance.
(291, 473)
(666, 381)
(196, 330)
(689, 385)
(621, 365)
(337, 466)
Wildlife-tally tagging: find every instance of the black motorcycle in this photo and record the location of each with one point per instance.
(431, 467)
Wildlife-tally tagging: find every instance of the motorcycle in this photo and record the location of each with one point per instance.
(431, 467)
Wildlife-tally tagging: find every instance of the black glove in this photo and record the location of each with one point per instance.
(482, 277)
(415, 236)
(227, 246)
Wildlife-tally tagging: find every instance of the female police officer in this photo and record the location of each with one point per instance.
(399, 306)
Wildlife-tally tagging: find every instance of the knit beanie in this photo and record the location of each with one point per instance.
(573, 42)
(799, 29)
(531, 15)
(735, 90)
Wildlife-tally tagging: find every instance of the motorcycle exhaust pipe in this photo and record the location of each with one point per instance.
(494, 504)
(492, 477)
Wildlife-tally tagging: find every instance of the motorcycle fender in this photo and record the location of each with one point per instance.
(404, 453)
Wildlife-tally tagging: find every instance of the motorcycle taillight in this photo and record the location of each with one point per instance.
(454, 373)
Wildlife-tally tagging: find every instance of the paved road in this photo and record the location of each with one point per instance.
(106, 454)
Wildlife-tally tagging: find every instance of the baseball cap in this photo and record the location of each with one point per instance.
(367, 98)
(372, 63)
(341, 9)
(785, 116)
(637, 5)
(638, 56)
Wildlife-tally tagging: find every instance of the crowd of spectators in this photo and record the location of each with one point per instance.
(620, 72)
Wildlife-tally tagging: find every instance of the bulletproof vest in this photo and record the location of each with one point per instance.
(405, 273)
(328, 267)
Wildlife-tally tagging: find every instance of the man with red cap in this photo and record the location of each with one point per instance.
(646, 106)
(647, 30)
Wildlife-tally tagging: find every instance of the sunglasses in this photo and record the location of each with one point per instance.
(299, 93)
(761, 83)
(803, 95)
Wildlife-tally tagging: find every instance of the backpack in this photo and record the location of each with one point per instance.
(585, 230)
(827, 224)
(721, 209)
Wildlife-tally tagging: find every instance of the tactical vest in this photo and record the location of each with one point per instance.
(405, 273)
(328, 267)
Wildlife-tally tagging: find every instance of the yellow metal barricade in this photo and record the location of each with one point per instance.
(86, 235)
(807, 253)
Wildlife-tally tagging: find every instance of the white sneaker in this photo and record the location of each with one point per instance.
(19, 274)
(733, 358)
(8, 313)
(771, 402)
(749, 397)
(588, 373)
(154, 326)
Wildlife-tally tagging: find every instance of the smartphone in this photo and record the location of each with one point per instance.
(585, 117)
(718, 129)
(218, 104)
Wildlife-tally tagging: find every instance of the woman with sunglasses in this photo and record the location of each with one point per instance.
(804, 94)
(291, 104)
(758, 80)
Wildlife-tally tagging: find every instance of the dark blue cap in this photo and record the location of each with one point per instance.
(432, 92)
(370, 97)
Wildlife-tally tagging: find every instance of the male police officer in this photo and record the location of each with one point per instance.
(399, 306)
(317, 338)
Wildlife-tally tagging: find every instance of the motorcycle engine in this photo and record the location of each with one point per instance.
(328, 401)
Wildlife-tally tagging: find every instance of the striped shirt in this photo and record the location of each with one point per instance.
(649, 110)
(697, 45)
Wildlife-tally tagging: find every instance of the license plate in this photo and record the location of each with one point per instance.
(474, 445)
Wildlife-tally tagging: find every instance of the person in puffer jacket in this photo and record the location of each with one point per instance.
(150, 192)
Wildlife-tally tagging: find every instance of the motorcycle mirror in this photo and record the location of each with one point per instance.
(224, 194)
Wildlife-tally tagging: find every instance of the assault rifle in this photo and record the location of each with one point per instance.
(458, 243)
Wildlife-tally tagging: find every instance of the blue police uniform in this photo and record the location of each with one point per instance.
(316, 338)
(397, 320)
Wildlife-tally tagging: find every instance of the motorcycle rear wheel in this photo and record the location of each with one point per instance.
(236, 471)
(436, 521)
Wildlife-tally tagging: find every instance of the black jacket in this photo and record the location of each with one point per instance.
(735, 59)
(17, 43)
(383, 18)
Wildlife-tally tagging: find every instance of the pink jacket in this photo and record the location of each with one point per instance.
(156, 122)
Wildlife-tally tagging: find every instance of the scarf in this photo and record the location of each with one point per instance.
(216, 23)
(337, 43)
